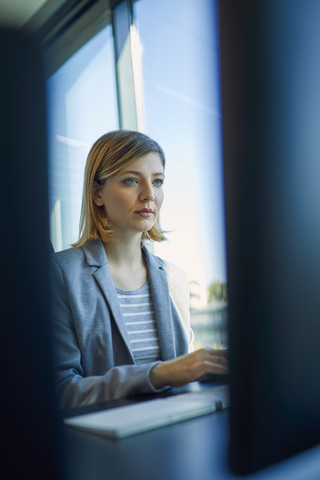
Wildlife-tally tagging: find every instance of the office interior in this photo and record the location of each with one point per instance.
(73, 70)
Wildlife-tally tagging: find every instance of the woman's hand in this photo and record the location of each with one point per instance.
(189, 367)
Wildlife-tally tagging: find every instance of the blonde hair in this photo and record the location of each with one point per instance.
(107, 156)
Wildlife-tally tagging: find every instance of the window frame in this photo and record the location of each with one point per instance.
(62, 27)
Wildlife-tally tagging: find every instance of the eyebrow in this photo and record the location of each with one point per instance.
(134, 172)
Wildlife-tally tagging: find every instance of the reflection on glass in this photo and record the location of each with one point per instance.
(82, 106)
(180, 64)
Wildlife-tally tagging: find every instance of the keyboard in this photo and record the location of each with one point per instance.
(130, 420)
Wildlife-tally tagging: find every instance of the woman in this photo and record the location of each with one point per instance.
(121, 314)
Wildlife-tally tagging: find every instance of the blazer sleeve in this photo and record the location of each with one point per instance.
(73, 388)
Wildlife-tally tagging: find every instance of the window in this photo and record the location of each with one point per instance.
(167, 69)
(180, 67)
(83, 105)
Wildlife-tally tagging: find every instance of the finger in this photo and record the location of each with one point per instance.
(218, 358)
(215, 351)
(215, 367)
(220, 363)
(220, 350)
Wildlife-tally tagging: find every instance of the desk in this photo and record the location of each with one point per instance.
(196, 449)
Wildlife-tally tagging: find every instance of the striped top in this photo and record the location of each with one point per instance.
(138, 313)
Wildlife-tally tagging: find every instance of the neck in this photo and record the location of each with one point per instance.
(124, 251)
(126, 263)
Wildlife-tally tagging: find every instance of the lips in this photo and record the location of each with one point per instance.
(145, 212)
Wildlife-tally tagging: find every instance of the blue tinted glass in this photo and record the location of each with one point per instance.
(82, 106)
(180, 65)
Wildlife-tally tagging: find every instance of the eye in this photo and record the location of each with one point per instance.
(130, 181)
(158, 182)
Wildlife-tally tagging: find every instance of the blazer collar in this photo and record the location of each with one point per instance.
(96, 257)
(95, 253)
(162, 304)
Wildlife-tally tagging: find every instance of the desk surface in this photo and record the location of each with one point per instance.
(196, 449)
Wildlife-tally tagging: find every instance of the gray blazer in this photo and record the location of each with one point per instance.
(93, 360)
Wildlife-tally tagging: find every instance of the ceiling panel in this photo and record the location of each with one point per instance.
(18, 12)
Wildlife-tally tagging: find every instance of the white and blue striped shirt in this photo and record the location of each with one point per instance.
(138, 313)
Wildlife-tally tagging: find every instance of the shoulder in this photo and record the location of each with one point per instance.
(67, 266)
(69, 257)
(90, 254)
(174, 273)
(176, 277)
(161, 263)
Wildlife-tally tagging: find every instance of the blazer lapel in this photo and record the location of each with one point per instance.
(162, 304)
(96, 257)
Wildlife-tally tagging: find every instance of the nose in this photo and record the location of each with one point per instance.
(147, 193)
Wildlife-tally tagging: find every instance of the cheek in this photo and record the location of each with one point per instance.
(118, 199)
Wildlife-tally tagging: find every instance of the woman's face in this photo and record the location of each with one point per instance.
(132, 198)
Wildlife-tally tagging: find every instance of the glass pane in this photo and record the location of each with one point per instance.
(82, 106)
(180, 64)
